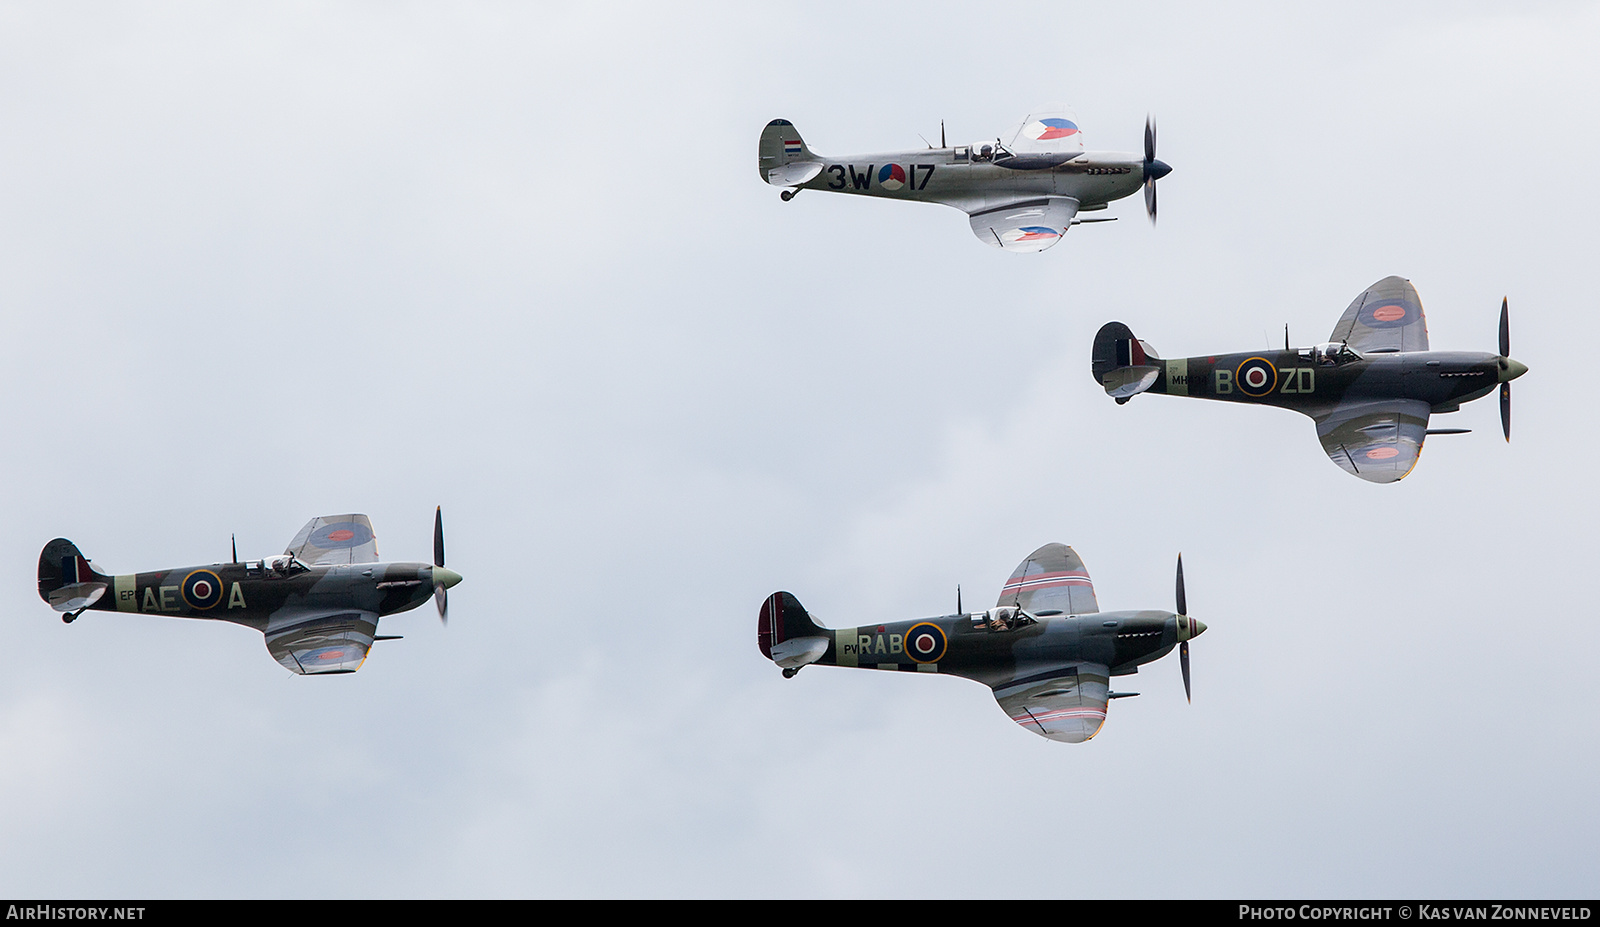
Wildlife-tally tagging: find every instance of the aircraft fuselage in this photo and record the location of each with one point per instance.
(968, 646)
(251, 593)
(1295, 380)
(952, 177)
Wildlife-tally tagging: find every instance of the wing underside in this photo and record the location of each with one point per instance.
(313, 643)
(1386, 317)
(1052, 579)
(1069, 706)
(1025, 225)
(335, 540)
(1378, 441)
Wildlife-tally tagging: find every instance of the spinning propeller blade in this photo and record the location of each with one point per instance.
(1505, 351)
(438, 536)
(1187, 628)
(1505, 327)
(1183, 602)
(441, 597)
(1153, 170)
(1183, 648)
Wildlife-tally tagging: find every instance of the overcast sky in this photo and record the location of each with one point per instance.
(260, 264)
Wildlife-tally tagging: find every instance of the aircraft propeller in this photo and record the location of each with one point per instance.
(1153, 170)
(1505, 353)
(1187, 628)
(440, 596)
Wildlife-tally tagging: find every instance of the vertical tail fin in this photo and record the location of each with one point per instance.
(66, 578)
(786, 634)
(783, 159)
(1122, 364)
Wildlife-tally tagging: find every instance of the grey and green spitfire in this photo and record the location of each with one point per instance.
(1370, 388)
(1020, 194)
(1046, 649)
(317, 603)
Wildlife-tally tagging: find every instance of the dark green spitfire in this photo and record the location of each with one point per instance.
(317, 604)
(1370, 388)
(1045, 649)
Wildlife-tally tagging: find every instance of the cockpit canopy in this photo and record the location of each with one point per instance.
(285, 565)
(1331, 354)
(1002, 618)
(982, 152)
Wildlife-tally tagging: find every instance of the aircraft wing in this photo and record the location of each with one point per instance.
(1069, 706)
(1051, 579)
(1052, 131)
(1387, 316)
(1378, 441)
(327, 641)
(335, 539)
(1026, 224)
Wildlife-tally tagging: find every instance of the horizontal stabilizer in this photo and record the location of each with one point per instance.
(797, 652)
(794, 175)
(1129, 381)
(76, 597)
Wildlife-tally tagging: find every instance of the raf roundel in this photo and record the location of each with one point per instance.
(202, 589)
(891, 177)
(1383, 453)
(925, 642)
(1389, 314)
(340, 534)
(1256, 377)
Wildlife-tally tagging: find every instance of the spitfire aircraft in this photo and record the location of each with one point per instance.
(1370, 388)
(1021, 193)
(1046, 649)
(318, 603)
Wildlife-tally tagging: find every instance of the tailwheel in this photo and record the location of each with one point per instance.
(789, 673)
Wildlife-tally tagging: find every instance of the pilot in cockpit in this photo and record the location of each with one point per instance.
(1332, 354)
(1000, 619)
(284, 565)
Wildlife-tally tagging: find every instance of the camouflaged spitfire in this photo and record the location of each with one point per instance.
(317, 604)
(1370, 388)
(1021, 194)
(1046, 649)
